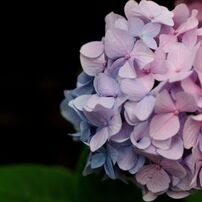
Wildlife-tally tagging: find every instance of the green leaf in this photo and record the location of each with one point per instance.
(32, 183)
(37, 183)
(195, 197)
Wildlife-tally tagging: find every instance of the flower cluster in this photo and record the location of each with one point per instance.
(138, 101)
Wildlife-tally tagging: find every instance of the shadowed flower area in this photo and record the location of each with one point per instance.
(193, 4)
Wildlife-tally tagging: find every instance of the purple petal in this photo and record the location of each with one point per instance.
(150, 42)
(99, 139)
(126, 159)
(140, 136)
(106, 86)
(114, 125)
(93, 49)
(151, 29)
(127, 71)
(174, 168)
(175, 152)
(185, 102)
(145, 107)
(142, 54)
(114, 20)
(164, 126)
(107, 102)
(139, 164)
(136, 26)
(93, 66)
(129, 113)
(136, 89)
(118, 43)
(100, 116)
(123, 135)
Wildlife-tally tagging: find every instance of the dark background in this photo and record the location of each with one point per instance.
(40, 60)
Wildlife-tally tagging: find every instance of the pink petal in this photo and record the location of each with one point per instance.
(190, 24)
(155, 179)
(180, 58)
(174, 168)
(167, 41)
(174, 77)
(198, 60)
(190, 86)
(164, 126)
(185, 102)
(163, 144)
(99, 139)
(160, 181)
(181, 13)
(191, 132)
(93, 49)
(142, 54)
(164, 103)
(190, 38)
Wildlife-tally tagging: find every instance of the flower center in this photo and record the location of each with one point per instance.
(176, 112)
(147, 71)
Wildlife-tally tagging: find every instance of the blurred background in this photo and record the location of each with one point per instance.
(43, 45)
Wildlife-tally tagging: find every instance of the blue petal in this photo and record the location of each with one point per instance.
(98, 160)
(109, 169)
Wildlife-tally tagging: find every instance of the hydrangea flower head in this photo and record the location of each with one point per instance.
(138, 101)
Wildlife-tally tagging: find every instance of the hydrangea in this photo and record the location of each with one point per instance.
(138, 101)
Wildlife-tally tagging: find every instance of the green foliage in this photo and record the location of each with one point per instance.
(32, 183)
(37, 183)
(195, 197)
